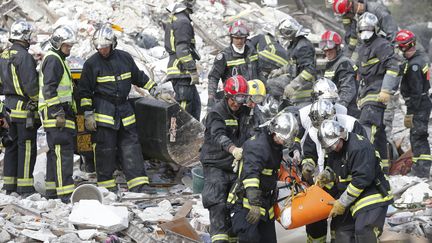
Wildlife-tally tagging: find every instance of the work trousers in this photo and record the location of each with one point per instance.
(110, 144)
(217, 184)
(262, 232)
(419, 143)
(59, 179)
(20, 159)
(187, 96)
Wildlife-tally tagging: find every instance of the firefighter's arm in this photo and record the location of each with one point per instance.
(29, 76)
(359, 129)
(52, 74)
(363, 172)
(254, 158)
(306, 63)
(86, 87)
(310, 156)
(216, 74)
(385, 54)
(139, 78)
(347, 83)
(350, 33)
(183, 32)
(218, 131)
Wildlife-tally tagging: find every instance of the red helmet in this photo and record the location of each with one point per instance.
(405, 39)
(238, 29)
(237, 87)
(341, 7)
(329, 40)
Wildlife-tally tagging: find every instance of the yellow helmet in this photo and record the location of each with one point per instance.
(257, 90)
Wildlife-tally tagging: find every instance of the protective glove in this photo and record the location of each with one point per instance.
(166, 97)
(253, 215)
(194, 78)
(235, 165)
(278, 72)
(408, 121)
(296, 156)
(89, 121)
(308, 169)
(237, 153)
(60, 121)
(293, 86)
(384, 97)
(338, 208)
(325, 177)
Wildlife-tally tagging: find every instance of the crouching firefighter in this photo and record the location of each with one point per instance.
(363, 191)
(222, 145)
(252, 197)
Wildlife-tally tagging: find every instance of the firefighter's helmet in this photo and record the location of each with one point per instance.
(329, 134)
(330, 40)
(236, 88)
(341, 7)
(321, 110)
(256, 91)
(104, 37)
(405, 39)
(289, 28)
(238, 29)
(324, 88)
(284, 126)
(367, 22)
(63, 34)
(20, 30)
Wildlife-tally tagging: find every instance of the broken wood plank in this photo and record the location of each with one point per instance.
(180, 226)
(184, 210)
(138, 235)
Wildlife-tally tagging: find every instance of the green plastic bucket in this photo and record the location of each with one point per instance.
(197, 179)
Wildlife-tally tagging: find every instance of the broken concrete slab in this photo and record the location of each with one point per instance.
(93, 214)
(70, 237)
(4, 236)
(42, 234)
(87, 234)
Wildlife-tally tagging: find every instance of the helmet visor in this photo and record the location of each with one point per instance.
(258, 99)
(239, 31)
(327, 45)
(240, 98)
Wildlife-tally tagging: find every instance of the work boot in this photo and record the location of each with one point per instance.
(65, 198)
(143, 189)
(8, 192)
(421, 169)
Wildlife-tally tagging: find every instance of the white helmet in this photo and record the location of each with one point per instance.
(324, 88)
(368, 22)
(284, 125)
(321, 110)
(290, 28)
(63, 34)
(104, 37)
(20, 30)
(329, 134)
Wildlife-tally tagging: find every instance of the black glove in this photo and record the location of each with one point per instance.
(253, 194)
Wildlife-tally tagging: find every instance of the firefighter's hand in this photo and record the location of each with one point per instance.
(296, 156)
(253, 215)
(166, 97)
(384, 97)
(89, 121)
(324, 178)
(60, 121)
(338, 208)
(408, 121)
(278, 72)
(194, 78)
(308, 169)
(237, 153)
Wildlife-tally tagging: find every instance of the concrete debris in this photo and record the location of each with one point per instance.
(93, 214)
(67, 238)
(161, 213)
(41, 235)
(416, 194)
(4, 236)
(87, 234)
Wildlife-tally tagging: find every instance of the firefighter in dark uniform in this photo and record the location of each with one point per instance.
(302, 65)
(20, 86)
(341, 70)
(104, 87)
(363, 191)
(222, 145)
(314, 156)
(57, 108)
(415, 90)
(254, 193)
(271, 54)
(237, 59)
(180, 44)
(349, 9)
(378, 73)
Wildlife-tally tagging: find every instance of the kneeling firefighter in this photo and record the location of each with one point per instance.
(252, 197)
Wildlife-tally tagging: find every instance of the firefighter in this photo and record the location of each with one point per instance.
(104, 87)
(301, 67)
(237, 59)
(57, 109)
(378, 73)
(21, 88)
(341, 70)
(271, 54)
(314, 157)
(182, 70)
(254, 193)
(256, 96)
(363, 191)
(222, 145)
(349, 9)
(415, 90)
